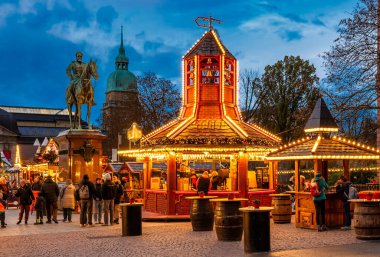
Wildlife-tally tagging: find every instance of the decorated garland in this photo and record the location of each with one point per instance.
(209, 141)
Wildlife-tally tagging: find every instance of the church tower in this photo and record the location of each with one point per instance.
(122, 106)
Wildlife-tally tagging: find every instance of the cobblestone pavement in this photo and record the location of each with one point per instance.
(162, 239)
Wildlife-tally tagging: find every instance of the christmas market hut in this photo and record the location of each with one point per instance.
(209, 135)
(319, 149)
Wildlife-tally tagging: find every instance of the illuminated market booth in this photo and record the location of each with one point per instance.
(209, 135)
(320, 148)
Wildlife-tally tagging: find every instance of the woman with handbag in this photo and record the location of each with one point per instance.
(26, 198)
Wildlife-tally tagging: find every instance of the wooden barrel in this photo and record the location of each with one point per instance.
(282, 212)
(202, 215)
(228, 221)
(367, 219)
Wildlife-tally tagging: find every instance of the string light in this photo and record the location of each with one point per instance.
(311, 130)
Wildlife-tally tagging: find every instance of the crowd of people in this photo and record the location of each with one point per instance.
(206, 181)
(98, 202)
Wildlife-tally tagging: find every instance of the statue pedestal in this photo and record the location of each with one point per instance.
(80, 152)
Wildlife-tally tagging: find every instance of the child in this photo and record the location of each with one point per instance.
(39, 207)
(3, 204)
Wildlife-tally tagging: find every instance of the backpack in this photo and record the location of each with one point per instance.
(84, 192)
(352, 193)
(314, 189)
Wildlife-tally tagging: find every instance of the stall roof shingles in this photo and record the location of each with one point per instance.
(207, 45)
(325, 147)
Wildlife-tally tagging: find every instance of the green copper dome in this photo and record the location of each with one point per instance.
(121, 79)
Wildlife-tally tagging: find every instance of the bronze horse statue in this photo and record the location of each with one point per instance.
(81, 92)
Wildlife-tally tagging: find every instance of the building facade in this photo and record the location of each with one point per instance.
(23, 125)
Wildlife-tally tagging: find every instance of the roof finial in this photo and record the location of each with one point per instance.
(121, 49)
(209, 19)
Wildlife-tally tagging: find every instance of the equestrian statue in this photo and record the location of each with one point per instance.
(80, 90)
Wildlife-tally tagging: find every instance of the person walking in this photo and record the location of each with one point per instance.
(4, 188)
(86, 192)
(67, 200)
(98, 202)
(203, 183)
(343, 189)
(319, 200)
(40, 206)
(50, 192)
(108, 195)
(26, 197)
(3, 206)
(36, 186)
(118, 195)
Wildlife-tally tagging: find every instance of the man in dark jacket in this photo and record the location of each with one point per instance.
(26, 197)
(86, 193)
(203, 183)
(98, 202)
(108, 195)
(36, 186)
(342, 189)
(50, 191)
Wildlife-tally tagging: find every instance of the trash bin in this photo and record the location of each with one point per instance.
(131, 219)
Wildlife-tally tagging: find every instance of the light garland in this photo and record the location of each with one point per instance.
(324, 157)
(356, 144)
(311, 130)
(218, 42)
(333, 170)
(316, 144)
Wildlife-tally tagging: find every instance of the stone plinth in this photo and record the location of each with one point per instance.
(80, 152)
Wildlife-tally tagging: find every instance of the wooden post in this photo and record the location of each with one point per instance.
(378, 87)
(243, 175)
(317, 166)
(297, 175)
(325, 170)
(171, 183)
(346, 169)
(273, 174)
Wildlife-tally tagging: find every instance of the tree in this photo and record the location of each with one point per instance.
(291, 92)
(160, 100)
(252, 93)
(351, 65)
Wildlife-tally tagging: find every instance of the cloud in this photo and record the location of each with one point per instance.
(289, 35)
(6, 10)
(105, 17)
(95, 39)
(288, 27)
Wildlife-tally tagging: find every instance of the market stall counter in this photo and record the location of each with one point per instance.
(261, 194)
(306, 214)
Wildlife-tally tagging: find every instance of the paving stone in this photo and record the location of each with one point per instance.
(158, 239)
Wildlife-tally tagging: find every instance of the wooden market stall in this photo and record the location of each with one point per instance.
(209, 134)
(320, 147)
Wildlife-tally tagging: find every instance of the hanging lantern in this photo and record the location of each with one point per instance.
(134, 133)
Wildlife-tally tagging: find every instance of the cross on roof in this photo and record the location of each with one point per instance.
(209, 19)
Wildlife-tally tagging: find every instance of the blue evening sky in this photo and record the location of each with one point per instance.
(39, 38)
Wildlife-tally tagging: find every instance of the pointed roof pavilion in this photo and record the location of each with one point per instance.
(321, 145)
(210, 113)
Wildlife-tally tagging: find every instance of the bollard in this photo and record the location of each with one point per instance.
(131, 219)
